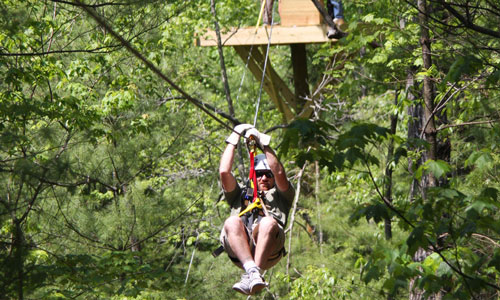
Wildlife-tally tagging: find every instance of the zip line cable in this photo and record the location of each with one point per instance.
(244, 72)
(265, 61)
(265, 65)
(149, 64)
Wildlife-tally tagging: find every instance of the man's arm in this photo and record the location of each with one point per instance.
(226, 163)
(279, 173)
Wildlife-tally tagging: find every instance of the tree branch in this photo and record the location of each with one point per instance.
(96, 50)
(148, 63)
(467, 123)
(467, 22)
(98, 5)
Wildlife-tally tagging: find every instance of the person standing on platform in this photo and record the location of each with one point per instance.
(336, 12)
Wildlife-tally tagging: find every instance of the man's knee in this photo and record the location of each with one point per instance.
(268, 225)
(233, 223)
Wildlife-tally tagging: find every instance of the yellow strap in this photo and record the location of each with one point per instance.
(260, 15)
(251, 206)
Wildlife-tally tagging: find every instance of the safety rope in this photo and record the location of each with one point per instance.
(257, 202)
(265, 61)
(252, 178)
(251, 144)
(251, 49)
(252, 175)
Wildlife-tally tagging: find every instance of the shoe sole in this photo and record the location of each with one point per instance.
(241, 291)
(257, 288)
(337, 36)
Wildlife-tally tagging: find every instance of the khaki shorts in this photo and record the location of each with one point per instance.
(277, 254)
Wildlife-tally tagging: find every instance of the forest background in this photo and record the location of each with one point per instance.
(109, 174)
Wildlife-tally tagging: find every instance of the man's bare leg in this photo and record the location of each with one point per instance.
(238, 239)
(251, 281)
(265, 235)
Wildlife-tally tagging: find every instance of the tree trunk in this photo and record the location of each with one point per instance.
(428, 132)
(18, 249)
(318, 207)
(388, 170)
(429, 129)
(222, 63)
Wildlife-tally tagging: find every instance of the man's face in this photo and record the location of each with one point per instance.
(265, 180)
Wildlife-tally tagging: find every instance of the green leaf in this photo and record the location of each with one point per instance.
(495, 260)
(415, 240)
(493, 79)
(372, 271)
(399, 153)
(437, 167)
(464, 65)
(444, 270)
(490, 193)
(480, 159)
(377, 211)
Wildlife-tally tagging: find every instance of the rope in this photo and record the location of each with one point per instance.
(261, 12)
(251, 49)
(264, 69)
(257, 202)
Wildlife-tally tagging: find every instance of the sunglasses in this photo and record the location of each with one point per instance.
(268, 174)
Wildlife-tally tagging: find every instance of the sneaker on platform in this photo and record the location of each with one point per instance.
(334, 33)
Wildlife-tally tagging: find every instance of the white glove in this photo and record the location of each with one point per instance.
(238, 130)
(261, 138)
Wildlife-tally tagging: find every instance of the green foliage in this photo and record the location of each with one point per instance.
(376, 211)
(464, 65)
(316, 283)
(109, 180)
(437, 168)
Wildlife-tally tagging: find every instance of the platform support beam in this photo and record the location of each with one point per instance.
(300, 78)
(273, 85)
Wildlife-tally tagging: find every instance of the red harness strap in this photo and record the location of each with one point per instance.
(252, 175)
(256, 203)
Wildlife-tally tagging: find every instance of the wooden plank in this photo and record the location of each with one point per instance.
(280, 36)
(299, 13)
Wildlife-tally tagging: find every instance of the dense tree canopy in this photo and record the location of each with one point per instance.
(111, 134)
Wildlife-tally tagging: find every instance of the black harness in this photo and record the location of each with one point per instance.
(249, 219)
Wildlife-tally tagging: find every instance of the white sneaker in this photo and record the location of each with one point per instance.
(243, 286)
(257, 282)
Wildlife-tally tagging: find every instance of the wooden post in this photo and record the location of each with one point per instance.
(300, 78)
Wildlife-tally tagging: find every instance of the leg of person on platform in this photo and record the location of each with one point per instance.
(267, 16)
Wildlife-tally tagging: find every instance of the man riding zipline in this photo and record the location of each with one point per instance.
(255, 240)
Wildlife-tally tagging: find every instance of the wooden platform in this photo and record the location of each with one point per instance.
(301, 24)
(281, 35)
